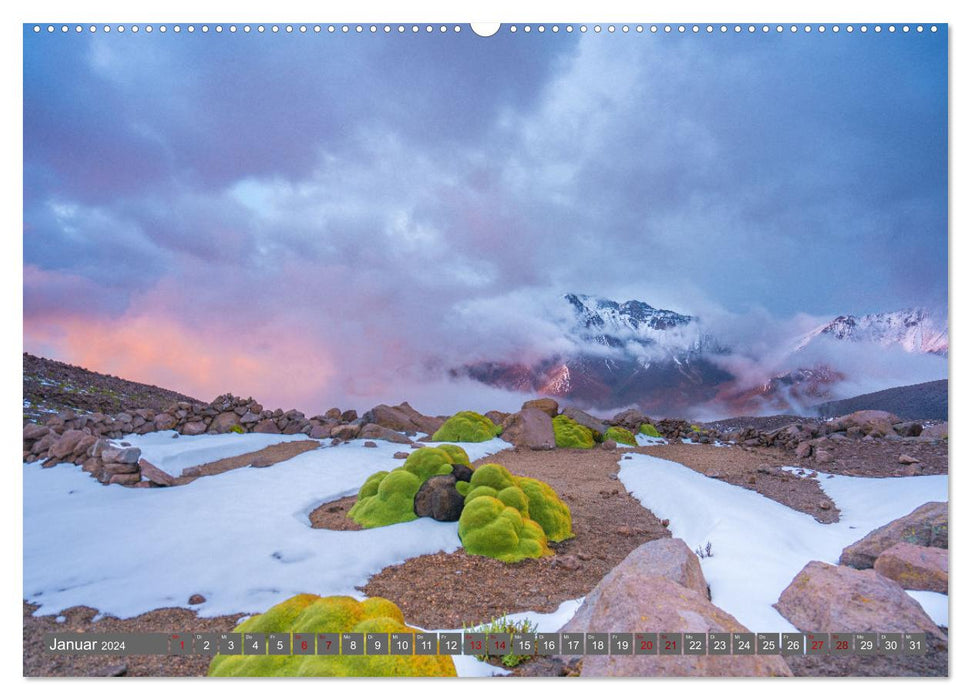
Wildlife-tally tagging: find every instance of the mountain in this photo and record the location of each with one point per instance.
(631, 353)
(927, 401)
(915, 330)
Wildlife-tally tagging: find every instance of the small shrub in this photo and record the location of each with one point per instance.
(238, 429)
(502, 625)
(704, 553)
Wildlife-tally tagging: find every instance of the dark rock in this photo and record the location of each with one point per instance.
(926, 525)
(462, 472)
(438, 499)
(197, 599)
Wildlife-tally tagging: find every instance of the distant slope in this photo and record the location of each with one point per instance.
(51, 386)
(927, 401)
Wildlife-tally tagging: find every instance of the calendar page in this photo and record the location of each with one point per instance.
(545, 349)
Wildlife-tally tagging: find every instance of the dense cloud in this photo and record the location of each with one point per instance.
(326, 220)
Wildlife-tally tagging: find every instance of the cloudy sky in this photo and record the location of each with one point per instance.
(322, 220)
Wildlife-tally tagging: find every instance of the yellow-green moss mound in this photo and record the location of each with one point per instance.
(649, 430)
(490, 531)
(467, 426)
(455, 453)
(620, 436)
(336, 614)
(569, 433)
(491, 528)
(387, 498)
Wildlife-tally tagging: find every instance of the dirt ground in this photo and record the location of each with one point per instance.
(266, 457)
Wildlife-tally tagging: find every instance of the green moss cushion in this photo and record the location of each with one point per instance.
(467, 426)
(387, 498)
(533, 499)
(392, 503)
(455, 453)
(569, 433)
(489, 527)
(335, 614)
(620, 436)
(427, 462)
(649, 430)
(546, 508)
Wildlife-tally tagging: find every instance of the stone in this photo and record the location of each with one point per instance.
(349, 416)
(332, 414)
(874, 423)
(937, 432)
(32, 432)
(825, 505)
(803, 450)
(111, 671)
(497, 417)
(44, 443)
(84, 444)
(632, 419)
(374, 431)
(914, 567)
(248, 418)
(568, 562)
(194, 428)
(122, 455)
(908, 429)
(531, 428)
(319, 432)
(197, 599)
(827, 598)
(824, 457)
(547, 406)
(402, 418)
(154, 474)
(66, 444)
(119, 468)
(165, 421)
(586, 420)
(345, 432)
(907, 459)
(926, 525)
(125, 479)
(400, 455)
(267, 425)
(224, 422)
(629, 599)
(609, 444)
(370, 443)
(439, 500)
(462, 472)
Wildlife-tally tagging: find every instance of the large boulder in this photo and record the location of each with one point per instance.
(926, 525)
(422, 423)
(827, 598)
(225, 422)
(914, 567)
(631, 599)
(33, 431)
(66, 444)
(531, 428)
(668, 557)
(267, 425)
(392, 417)
(373, 431)
(875, 423)
(586, 420)
(196, 427)
(630, 419)
(438, 499)
(547, 406)
(935, 432)
(165, 421)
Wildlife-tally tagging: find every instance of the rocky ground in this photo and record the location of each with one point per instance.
(51, 386)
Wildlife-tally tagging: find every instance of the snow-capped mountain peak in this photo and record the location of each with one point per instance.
(915, 330)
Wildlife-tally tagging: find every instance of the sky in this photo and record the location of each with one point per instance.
(320, 220)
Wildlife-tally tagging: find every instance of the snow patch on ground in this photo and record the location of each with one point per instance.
(646, 440)
(242, 538)
(759, 545)
(172, 455)
(934, 604)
